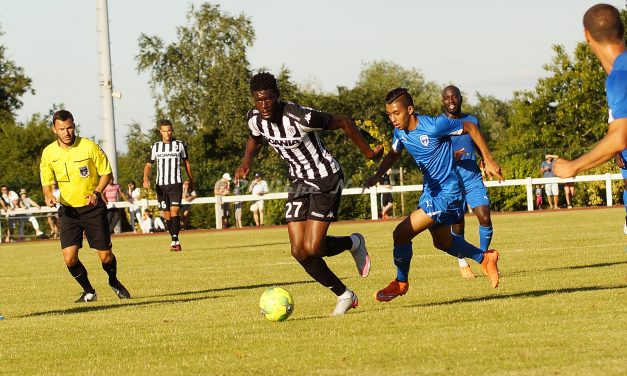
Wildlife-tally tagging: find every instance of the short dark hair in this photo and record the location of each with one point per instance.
(604, 24)
(62, 115)
(263, 81)
(164, 122)
(400, 93)
(452, 87)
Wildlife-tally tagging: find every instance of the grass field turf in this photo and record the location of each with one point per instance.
(561, 308)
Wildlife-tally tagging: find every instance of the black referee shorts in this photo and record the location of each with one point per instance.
(316, 200)
(92, 220)
(169, 195)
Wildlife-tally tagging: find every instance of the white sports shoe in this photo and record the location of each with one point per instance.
(362, 259)
(86, 297)
(344, 304)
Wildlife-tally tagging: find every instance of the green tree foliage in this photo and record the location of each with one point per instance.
(13, 85)
(200, 82)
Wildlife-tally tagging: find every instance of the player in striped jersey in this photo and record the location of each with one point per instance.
(317, 181)
(169, 154)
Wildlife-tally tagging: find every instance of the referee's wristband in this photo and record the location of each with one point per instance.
(96, 193)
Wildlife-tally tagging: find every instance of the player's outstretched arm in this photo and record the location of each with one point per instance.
(344, 123)
(252, 148)
(188, 169)
(612, 143)
(491, 167)
(388, 161)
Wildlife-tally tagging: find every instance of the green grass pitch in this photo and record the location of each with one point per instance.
(561, 308)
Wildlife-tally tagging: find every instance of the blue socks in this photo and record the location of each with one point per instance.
(461, 248)
(402, 258)
(485, 237)
(625, 198)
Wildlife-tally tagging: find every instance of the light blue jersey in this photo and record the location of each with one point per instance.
(476, 193)
(616, 91)
(430, 146)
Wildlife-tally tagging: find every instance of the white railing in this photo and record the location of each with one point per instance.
(374, 212)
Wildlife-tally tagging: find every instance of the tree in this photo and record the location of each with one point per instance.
(200, 82)
(13, 84)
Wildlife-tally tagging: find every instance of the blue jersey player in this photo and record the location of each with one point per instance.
(428, 140)
(466, 163)
(604, 32)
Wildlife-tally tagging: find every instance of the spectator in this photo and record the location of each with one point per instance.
(569, 192)
(387, 202)
(53, 217)
(239, 184)
(188, 196)
(133, 194)
(538, 192)
(258, 187)
(11, 201)
(111, 195)
(26, 203)
(552, 189)
(223, 188)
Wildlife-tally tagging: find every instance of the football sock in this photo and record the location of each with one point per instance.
(175, 227)
(318, 270)
(111, 269)
(334, 245)
(402, 259)
(462, 262)
(485, 237)
(79, 273)
(460, 247)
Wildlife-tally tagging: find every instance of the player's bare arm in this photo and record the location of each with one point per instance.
(252, 148)
(344, 123)
(388, 161)
(491, 167)
(147, 175)
(49, 198)
(188, 169)
(612, 143)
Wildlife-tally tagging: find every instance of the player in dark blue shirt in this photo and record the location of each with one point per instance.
(604, 32)
(428, 140)
(466, 163)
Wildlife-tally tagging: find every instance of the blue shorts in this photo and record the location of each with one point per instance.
(444, 209)
(476, 192)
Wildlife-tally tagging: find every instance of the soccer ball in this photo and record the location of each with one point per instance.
(276, 304)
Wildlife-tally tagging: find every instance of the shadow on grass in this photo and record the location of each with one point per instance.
(88, 307)
(526, 294)
(244, 246)
(574, 267)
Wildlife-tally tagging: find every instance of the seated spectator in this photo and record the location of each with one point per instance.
(26, 203)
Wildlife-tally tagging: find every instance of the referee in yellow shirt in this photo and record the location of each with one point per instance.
(82, 171)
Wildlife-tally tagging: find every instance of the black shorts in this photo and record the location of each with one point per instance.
(89, 219)
(386, 198)
(169, 195)
(315, 200)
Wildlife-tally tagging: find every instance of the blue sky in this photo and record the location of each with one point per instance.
(489, 46)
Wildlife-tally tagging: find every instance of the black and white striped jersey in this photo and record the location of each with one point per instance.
(296, 141)
(168, 158)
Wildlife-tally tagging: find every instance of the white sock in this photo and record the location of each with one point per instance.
(356, 242)
(346, 295)
(462, 262)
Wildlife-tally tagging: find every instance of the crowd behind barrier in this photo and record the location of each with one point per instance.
(528, 183)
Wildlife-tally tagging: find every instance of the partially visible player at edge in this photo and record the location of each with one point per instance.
(604, 32)
(317, 181)
(82, 172)
(169, 154)
(442, 202)
(466, 162)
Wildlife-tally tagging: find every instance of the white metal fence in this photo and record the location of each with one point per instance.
(528, 183)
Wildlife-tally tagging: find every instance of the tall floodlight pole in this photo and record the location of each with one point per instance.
(106, 86)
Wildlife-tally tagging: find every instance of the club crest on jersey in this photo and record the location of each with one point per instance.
(424, 140)
(84, 171)
(291, 131)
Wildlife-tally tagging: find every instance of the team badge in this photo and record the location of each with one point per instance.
(424, 140)
(291, 131)
(84, 171)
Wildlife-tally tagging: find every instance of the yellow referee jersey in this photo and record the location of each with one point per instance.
(77, 169)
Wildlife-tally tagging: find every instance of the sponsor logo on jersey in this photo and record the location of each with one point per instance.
(281, 142)
(424, 140)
